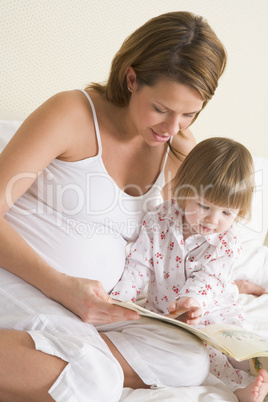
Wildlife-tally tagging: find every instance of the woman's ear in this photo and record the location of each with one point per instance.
(131, 79)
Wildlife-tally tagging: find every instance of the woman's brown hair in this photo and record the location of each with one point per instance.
(179, 46)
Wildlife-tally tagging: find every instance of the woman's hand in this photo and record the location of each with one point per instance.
(192, 307)
(88, 299)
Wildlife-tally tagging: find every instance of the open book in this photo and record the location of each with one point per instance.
(232, 340)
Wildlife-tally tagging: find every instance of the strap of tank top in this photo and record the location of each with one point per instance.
(168, 149)
(96, 124)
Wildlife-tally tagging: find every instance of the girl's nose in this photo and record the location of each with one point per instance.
(212, 218)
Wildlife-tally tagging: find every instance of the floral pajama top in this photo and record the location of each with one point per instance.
(198, 267)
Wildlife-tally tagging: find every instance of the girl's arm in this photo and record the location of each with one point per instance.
(50, 132)
(212, 278)
(138, 268)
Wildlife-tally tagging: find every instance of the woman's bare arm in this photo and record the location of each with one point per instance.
(45, 135)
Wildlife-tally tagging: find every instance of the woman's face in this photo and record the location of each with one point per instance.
(159, 112)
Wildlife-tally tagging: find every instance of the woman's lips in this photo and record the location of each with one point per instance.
(159, 137)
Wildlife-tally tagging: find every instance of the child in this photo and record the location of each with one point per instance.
(187, 246)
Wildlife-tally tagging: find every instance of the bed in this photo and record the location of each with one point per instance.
(253, 265)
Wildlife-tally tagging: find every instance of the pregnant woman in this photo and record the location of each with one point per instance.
(76, 180)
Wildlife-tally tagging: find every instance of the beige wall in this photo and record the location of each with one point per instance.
(49, 46)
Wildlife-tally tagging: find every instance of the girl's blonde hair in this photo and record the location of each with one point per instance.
(179, 46)
(219, 170)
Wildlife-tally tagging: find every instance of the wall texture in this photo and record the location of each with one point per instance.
(49, 46)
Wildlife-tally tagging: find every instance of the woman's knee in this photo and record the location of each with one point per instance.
(25, 373)
(197, 364)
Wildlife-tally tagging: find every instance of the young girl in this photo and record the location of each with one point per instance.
(187, 247)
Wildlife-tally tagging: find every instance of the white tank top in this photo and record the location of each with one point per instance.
(78, 219)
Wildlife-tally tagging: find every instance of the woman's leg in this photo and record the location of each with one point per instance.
(154, 354)
(26, 374)
(131, 378)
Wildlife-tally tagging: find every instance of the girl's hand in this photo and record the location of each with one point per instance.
(192, 307)
(88, 299)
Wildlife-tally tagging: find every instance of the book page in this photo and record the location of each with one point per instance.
(241, 343)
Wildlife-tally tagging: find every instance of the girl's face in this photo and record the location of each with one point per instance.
(159, 112)
(205, 218)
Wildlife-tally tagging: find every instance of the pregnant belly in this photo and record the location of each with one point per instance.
(77, 248)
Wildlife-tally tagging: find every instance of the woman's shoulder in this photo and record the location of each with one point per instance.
(73, 105)
(71, 119)
(183, 145)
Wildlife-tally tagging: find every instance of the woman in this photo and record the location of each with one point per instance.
(76, 180)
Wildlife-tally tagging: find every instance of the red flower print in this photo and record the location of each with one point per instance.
(160, 219)
(163, 236)
(175, 289)
(159, 255)
(165, 298)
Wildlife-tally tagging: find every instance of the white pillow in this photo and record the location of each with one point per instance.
(7, 130)
(253, 263)
(256, 229)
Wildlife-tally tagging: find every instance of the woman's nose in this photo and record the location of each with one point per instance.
(173, 125)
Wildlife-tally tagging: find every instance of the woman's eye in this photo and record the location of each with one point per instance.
(159, 110)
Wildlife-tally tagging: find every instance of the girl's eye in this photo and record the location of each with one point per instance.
(227, 213)
(159, 110)
(203, 206)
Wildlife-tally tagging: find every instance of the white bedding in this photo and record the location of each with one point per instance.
(253, 265)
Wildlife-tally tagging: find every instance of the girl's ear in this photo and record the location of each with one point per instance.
(131, 79)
